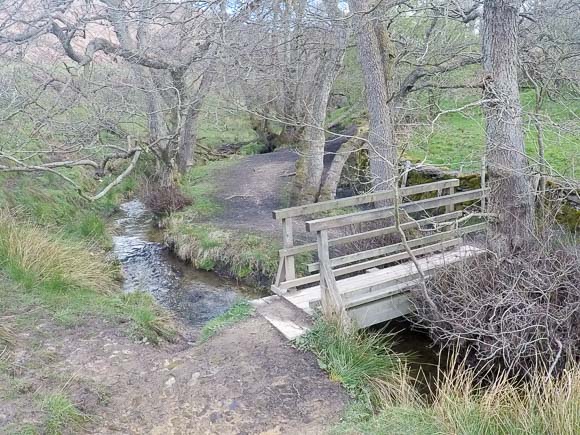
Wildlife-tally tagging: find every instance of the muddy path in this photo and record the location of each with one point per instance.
(247, 379)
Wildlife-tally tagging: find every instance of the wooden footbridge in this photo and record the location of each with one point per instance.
(362, 262)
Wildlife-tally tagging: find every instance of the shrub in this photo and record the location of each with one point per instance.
(163, 200)
(520, 313)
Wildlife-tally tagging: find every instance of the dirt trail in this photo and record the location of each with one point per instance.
(252, 188)
(245, 380)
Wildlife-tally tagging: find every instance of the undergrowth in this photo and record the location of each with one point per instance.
(236, 313)
(387, 401)
(243, 256)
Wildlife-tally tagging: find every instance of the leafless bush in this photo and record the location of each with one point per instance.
(520, 313)
(164, 200)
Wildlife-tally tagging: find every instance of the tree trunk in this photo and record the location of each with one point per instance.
(310, 167)
(188, 130)
(332, 175)
(511, 198)
(374, 56)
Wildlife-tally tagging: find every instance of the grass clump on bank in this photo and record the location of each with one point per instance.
(71, 282)
(61, 415)
(362, 362)
(236, 313)
(243, 256)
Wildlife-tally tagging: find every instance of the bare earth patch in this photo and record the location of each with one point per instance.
(252, 188)
(245, 380)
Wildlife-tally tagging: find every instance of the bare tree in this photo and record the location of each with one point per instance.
(512, 196)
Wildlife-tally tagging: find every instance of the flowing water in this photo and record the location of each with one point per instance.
(196, 296)
(147, 265)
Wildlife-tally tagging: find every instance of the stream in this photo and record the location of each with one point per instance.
(195, 296)
(147, 265)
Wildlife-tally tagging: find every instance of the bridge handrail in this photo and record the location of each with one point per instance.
(386, 212)
(286, 266)
(367, 198)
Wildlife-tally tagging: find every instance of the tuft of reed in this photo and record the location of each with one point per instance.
(33, 256)
(540, 404)
(462, 404)
(361, 361)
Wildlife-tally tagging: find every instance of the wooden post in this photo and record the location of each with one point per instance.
(332, 304)
(451, 207)
(288, 242)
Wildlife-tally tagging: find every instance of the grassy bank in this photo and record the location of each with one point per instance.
(71, 281)
(55, 284)
(47, 201)
(240, 255)
(387, 400)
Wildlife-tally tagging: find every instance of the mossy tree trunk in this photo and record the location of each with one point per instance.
(511, 198)
(374, 49)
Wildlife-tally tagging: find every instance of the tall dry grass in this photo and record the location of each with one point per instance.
(539, 405)
(461, 404)
(34, 256)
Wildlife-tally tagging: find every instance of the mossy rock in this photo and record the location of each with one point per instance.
(569, 217)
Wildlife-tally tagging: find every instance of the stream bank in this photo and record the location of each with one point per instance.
(193, 296)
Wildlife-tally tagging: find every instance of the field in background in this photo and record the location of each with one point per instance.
(455, 140)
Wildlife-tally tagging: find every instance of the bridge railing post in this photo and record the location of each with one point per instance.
(451, 207)
(286, 266)
(332, 305)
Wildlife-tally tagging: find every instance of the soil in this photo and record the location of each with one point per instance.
(245, 380)
(252, 188)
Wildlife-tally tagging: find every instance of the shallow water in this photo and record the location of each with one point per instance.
(147, 265)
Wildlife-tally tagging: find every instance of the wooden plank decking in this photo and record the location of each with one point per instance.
(371, 285)
(378, 295)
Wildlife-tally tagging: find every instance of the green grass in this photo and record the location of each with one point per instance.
(148, 321)
(47, 201)
(363, 362)
(236, 313)
(61, 415)
(200, 185)
(457, 140)
(244, 256)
